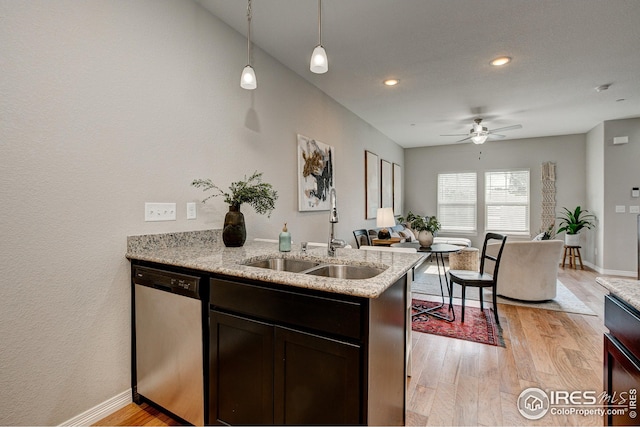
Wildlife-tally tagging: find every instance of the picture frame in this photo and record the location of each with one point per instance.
(316, 174)
(397, 189)
(386, 184)
(371, 184)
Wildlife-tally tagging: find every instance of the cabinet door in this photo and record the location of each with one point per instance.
(317, 380)
(622, 380)
(241, 371)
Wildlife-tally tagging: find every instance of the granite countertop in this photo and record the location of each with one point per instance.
(204, 251)
(626, 289)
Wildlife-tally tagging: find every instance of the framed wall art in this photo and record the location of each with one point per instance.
(386, 184)
(315, 174)
(371, 184)
(397, 189)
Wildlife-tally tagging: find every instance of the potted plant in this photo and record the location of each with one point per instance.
(571, 222)
(425, 227)
(260, 195)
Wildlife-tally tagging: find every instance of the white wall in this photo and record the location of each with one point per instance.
(109, 104)
(422, 166)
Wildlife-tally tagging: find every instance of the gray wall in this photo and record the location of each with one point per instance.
(621, 173)
(422, 166)
(109, 104)
(595, 194)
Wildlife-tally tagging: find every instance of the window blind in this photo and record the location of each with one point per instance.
(457, 201)
(507, 201)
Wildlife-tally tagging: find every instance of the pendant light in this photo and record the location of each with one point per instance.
(319, 61)
(248, 78)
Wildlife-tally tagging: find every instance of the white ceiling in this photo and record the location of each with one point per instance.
(440, 50)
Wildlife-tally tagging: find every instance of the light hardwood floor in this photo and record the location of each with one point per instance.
(458, 382)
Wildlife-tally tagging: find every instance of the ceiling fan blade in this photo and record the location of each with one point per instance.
(514, 127)
(456, 134)
(464, 139)
(496, 136)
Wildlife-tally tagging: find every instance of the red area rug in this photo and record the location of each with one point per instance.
(479, 326)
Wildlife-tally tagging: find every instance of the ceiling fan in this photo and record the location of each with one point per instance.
(479, 134)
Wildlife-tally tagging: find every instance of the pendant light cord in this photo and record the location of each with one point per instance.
(249, 32)
(319, 22)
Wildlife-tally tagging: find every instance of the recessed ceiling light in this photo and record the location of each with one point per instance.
(391, 82)
(503, 60)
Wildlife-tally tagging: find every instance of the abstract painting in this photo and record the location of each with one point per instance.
(315, 174)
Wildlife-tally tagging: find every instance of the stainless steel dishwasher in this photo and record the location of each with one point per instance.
(169, 342)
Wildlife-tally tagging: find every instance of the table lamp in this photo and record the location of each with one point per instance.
(385, 219)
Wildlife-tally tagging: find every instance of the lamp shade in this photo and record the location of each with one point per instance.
(248, 78)
(385, 218)
(319, 60)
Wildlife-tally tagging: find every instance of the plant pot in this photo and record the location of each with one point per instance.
(234, 232)
(425, 238)
(572, 239)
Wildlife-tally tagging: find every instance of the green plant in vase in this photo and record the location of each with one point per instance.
(425, 227)
(572, 222)
(260, 195)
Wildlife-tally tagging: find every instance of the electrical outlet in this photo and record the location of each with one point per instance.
(159, 211)
(634, 209)
(621, 208)
(191, 210)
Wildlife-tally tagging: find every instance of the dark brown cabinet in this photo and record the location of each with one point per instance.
(621, 361)
(241, 370)
(283, 356)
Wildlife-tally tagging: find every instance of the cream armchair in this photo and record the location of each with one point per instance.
(528, 270)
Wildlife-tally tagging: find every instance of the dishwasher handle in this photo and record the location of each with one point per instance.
(162, 287)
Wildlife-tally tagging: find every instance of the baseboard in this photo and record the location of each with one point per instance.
(611, 272)
(101, 410)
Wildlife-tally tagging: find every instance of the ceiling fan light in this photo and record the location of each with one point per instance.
(248, 78)
(319, 61)
(479, 139)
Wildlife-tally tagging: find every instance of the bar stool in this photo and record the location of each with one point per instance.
(572, 252)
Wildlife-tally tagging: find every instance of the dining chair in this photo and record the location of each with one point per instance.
(481, 279)
(362, 237)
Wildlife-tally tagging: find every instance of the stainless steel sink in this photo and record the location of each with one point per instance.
(285, 264)
(341, 271)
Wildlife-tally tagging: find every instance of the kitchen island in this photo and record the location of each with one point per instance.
(294, 348)
(622, 349)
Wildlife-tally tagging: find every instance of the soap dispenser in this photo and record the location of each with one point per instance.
(285, 239)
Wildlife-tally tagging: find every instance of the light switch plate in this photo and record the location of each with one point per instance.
(191, 210)
(634, 209)
(621, 208)
(159, 211)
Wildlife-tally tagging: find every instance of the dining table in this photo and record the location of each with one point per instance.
(438, 250)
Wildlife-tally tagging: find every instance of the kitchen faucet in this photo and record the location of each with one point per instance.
(333, 218)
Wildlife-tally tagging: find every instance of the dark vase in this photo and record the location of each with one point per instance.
(234, 232)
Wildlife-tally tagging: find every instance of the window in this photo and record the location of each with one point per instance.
(457, 197)
(507, 201)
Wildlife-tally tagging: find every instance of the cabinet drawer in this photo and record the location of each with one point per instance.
(623, 322)
(317, 313)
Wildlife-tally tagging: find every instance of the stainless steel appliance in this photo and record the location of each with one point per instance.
(169, 342)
